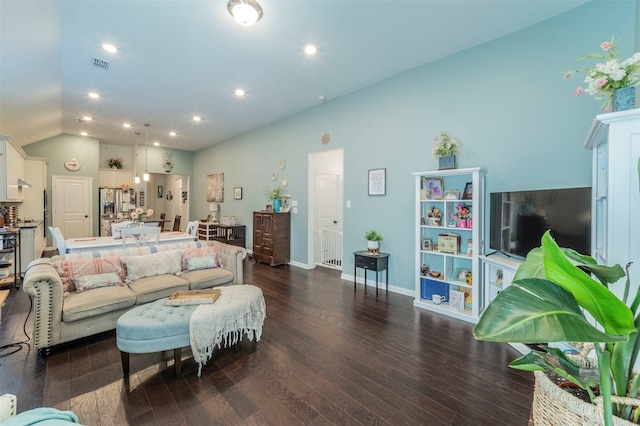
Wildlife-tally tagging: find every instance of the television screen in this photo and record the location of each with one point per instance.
(518, 219)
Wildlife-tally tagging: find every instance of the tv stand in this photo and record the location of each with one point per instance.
(498, 273)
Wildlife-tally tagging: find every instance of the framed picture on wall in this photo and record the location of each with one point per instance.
(160, 191)
(377, 182)
(237, 193)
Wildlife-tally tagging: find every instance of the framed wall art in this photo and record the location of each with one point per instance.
(377, 181)
(160, 191)
(215, 188)
(237, 193)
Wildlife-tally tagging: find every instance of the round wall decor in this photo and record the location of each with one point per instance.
(72, 165)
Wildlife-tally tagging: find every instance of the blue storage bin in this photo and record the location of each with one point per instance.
(430, 287)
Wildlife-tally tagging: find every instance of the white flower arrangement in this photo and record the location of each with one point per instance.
(136, 214)
(446, 146)
(603, 79)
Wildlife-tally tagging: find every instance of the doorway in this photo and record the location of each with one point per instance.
(326, 172)
(168, 194)
(71, 206)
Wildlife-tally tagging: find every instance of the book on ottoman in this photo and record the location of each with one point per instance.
(193, 297)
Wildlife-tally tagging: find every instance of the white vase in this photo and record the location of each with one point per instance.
(373, 246)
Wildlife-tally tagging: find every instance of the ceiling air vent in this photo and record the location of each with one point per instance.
(99, 63)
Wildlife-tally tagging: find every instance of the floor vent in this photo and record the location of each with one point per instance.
(99, 63)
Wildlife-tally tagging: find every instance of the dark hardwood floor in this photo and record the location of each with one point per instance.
(328, 355)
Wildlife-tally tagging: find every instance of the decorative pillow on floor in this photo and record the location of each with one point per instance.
(88, 282)
(189, 255)
(166, 262)
(68, 269)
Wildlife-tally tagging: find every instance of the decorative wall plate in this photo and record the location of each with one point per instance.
(72, 164)
(274, 175)
(284, 182)
(283, 164)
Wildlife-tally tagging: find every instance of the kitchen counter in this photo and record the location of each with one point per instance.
(30, 224)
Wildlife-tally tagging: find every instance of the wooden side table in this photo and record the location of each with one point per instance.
(366, 261)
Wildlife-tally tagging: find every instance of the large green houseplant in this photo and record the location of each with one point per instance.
(547, 303)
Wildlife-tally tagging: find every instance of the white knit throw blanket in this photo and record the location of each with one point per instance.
(239, 309)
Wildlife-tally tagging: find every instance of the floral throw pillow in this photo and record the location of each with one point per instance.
(88, 282)
(68, 269)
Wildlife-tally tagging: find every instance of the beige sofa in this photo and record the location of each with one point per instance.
(59, 318)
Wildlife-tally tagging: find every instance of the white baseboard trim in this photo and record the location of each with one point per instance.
(348, 280)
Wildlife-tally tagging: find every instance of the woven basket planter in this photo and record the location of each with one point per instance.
(554, 406)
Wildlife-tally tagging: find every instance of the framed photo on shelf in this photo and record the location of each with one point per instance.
(434, 188)
(427, 244)
(377, 181)
(452, 195)
(468, 191)
(237, 193)
(456, 300)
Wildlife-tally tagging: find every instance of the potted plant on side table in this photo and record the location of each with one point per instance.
(373, 241)
(547, 301)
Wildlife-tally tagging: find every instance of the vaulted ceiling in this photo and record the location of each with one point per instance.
(180, 58)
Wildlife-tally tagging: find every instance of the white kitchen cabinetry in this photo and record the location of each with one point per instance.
(12, 169)
(450, 252)
(615, 141)
(115, 178)
(32, 243)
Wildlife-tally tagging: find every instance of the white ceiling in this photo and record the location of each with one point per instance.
(178, 58)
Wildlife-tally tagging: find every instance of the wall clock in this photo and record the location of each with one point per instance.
(72, 164)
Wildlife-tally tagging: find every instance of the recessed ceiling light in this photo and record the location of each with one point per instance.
(93, 95)
(156, 144)
(110, 48)
(172, 133)
(84, 133)
(310, 49)
(239, 92)
(87, 118)
(196, 118)
(127, 125)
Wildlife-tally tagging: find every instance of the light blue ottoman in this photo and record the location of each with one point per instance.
(154, 327)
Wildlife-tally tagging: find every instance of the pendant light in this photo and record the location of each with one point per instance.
(145, 176)
(137, 178)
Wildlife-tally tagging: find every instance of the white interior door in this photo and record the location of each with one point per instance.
(327, 204)
(71, 207)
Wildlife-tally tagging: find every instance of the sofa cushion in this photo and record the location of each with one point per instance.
(90, 282)
(152, 288)
(192, 255)
(205, 278)
(96, 302)
(68, 269)
(166, 262)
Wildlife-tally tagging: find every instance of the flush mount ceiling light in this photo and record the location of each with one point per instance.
(245, 12)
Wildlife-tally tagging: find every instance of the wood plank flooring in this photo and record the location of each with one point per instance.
(328, 355)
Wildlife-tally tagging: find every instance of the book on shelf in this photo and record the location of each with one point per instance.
(193, 297)
(456, 301)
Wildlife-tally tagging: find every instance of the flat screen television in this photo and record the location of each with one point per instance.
(518, 219)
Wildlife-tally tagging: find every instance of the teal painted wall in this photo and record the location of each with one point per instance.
(505, 100)
(60, 148)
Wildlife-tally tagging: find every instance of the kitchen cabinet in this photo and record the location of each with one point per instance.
(115, 178)
(11, 169)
